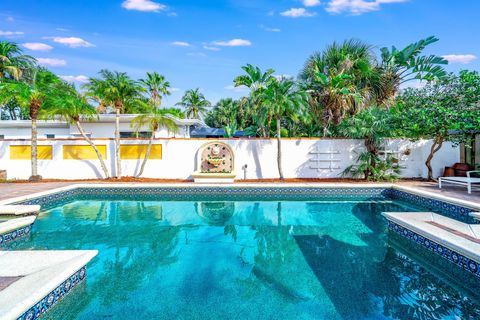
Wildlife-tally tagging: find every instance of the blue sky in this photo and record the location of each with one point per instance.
(203, 44)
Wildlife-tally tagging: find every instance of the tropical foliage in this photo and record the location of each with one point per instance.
(35, 94)
(349, 89)
(195, 103)
(447, 110)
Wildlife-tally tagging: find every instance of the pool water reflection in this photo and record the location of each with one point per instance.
(245, 259)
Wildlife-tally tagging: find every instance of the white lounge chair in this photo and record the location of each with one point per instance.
(464, 181)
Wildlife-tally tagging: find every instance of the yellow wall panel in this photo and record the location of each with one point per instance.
(137, 151)
(25, 152)
(83, 152)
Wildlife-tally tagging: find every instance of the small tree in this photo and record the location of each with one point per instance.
(283, 99)
(36, 95)
(117, 90)
(372, 125)
(72, 107)
(447, 110)
(154, 119)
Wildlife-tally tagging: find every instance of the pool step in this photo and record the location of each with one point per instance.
(33, 281)
(454, 240)
(13, 229)
(19, 210)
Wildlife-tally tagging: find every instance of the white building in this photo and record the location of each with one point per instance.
(103, 127)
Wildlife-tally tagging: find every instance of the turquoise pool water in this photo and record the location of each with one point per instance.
(329, 259)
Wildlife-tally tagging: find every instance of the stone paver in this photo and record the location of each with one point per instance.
(447, 190)
(12, 190)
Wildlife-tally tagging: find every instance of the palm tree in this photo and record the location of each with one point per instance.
(342, 79)
(225, 112)
(73, 107)
(195, 103)
(283, 99)
(371, 125)
(256, 80)
(37, 95)
(117, 90)
(154, 119)
(157, 87)
(13, 63)
(400, 66)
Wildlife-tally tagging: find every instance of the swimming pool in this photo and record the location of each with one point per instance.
(248, 255)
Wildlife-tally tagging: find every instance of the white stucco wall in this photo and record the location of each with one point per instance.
(259, 155)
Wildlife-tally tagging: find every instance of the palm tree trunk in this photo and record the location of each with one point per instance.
(117, 144)
(34, 176)
(279, 151)
(437, 144)
(147, 154)
(90, 142)
(371, 146)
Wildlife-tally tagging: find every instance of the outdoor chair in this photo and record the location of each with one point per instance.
(464, 181)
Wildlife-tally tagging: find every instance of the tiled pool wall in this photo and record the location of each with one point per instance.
(434, 247)
(53, 297)
(15, 234)
(406, 249)
(241, 193)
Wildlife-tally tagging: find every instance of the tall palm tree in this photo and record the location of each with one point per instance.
(342, 79)
(117, 90)
(13, 63)
(195, 103)
(157, 87)
(284, 99)
(154, 119)
(36, 95)
(73, 107)
(256, 80)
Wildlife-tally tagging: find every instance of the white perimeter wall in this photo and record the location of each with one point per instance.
(179, 158)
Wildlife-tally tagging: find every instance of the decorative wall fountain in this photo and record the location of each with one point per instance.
(215, 163)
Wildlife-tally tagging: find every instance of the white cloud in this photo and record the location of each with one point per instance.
(80, 78)
(143, 5)
(460, 58)
(311, 3)
(233, 43)
(72, 42)
(37, 46)
(297, 13)
(10, 19)
(282, 76)
(11, 33)
(196, 54)
(211, 48)
(240, 89)
(181, 44)
(357, 7)
(62, 29)
(270, 29)
(415, 84)
(174, 89)
(53, 62)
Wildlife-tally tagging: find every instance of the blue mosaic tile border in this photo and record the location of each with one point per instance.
(53, 297)
(452, 256)
(15, 234)
(455, 211)
(186, 193)
(261, 193)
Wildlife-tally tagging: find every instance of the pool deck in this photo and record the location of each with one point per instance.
(13, 190)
